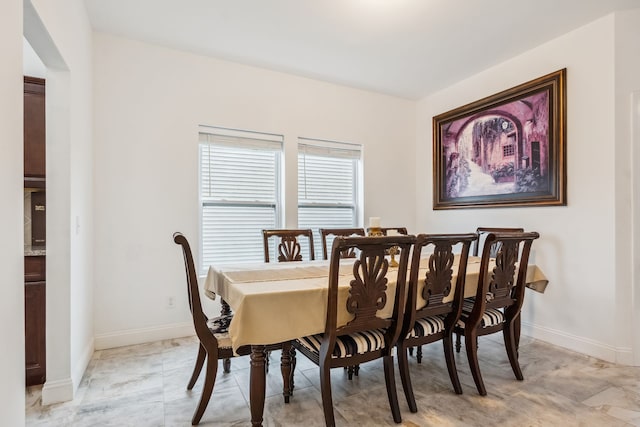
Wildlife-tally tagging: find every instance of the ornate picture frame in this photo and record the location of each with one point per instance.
(504, 150)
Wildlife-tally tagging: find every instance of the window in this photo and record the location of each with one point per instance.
(239, 193)
(328, 186)
(508, 150)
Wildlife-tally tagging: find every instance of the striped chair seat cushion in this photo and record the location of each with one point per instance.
(220, 324)
(348, 345)
(219, 327)
(491, 316)
(427, 326)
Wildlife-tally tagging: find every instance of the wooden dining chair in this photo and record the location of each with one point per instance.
(367, 336)
(498, 300)
(288, 246)
(482, 234)
(434, 302)
(345, 232)
(213, 334)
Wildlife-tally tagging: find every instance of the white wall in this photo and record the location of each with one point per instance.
(149, 102)
(32, 65)
(61, 35)
(577, 249)
(11, 211)
(627, 75)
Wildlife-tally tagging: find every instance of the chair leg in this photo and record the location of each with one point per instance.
(225, 308)
(516, 333)
(226, 365)
(209, 381)
(403, 367)
(292, 352)
(391, 388)
(471, 344)
(198, 368)
(457, 342)
(352, 370)
(512, 350)
(410, 351)
(327, 400)
(419, 354)
(285, 369)
(447, 341)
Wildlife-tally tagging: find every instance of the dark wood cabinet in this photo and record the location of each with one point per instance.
(34, 132)
(35, 295)
(35, 298)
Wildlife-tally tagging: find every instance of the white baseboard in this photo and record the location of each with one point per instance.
(57, 391)
(621, 355)
(81, 366)
(64, 390)
(143, 335)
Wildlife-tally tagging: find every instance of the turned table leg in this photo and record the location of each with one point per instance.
(258, 382)
(285, 368)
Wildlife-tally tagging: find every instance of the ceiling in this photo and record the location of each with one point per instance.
(405, 48)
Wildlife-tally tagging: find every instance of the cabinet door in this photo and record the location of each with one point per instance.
(34, 128)
(34, 332)
(35, 268)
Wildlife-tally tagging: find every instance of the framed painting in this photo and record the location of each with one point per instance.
(504, 150)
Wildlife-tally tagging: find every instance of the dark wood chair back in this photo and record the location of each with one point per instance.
(502, 287)
(482, 234)
(367, 293)
(345, 232)
(288, 246)
(436, 286)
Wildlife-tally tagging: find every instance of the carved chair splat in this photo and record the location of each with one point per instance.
(288, 246)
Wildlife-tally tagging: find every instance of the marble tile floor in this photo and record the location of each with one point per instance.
(145, 385)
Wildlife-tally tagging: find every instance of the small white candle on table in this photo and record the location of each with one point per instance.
(374, 222)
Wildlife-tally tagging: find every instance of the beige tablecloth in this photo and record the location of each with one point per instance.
(275, 302)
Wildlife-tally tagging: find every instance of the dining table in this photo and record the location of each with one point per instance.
(279, 302)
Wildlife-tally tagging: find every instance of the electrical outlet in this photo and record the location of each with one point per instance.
(171, 302)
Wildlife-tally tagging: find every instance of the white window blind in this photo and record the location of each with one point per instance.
(328, 181)
(239, 193)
